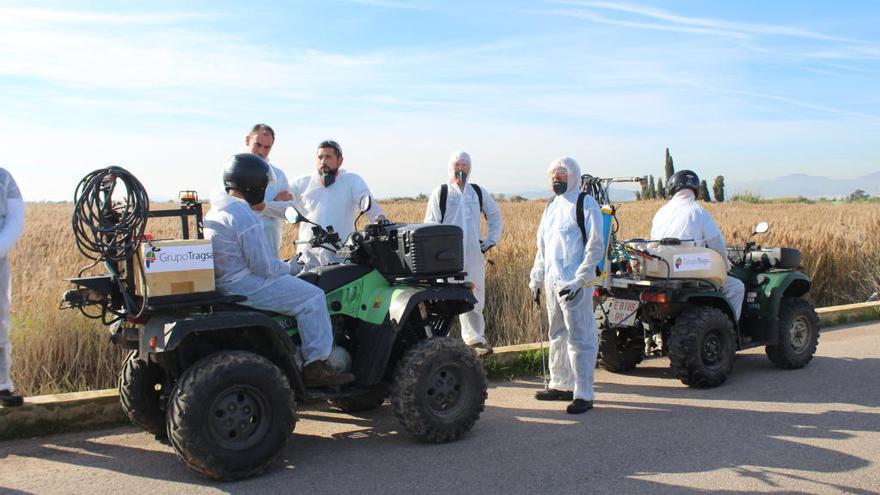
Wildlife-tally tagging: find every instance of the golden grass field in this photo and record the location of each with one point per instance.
(59, 351)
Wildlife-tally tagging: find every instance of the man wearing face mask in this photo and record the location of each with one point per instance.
(259, 142)
(245, 265)
(566, 260)
(460, 202)
(330, 197)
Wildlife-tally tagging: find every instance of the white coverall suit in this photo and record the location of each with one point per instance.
(683, 218)
(463, 209)
(565, 261)
(272, 216)
(337, 205)
(11, 225)
(245, 265)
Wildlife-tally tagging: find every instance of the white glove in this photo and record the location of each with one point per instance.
(569, 290)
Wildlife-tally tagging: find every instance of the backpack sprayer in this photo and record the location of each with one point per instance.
(597, 187)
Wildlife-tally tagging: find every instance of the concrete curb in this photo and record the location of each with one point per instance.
(46, 414)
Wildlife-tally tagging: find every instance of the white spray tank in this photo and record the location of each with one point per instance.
(684, 259)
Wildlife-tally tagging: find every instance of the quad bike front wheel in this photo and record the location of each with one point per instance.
(439, 390)
(230, 415)
(798, 334)
(702, 346)
(140, 388)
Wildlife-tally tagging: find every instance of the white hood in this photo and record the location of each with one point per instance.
(571, 166)
(453, 159)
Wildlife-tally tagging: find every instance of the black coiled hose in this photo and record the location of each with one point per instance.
(593, 186)
(105, 228)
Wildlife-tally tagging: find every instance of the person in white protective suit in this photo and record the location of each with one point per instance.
(564, 263)
(460, 202)
(683, 218)
(277, 197)
(11, 225)
(244, 264)
(329, 197)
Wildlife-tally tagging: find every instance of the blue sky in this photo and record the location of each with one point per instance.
(168, 89)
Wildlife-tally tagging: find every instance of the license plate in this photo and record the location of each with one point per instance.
(621, 311)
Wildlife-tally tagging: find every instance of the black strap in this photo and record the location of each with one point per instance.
(580, 217)
(479, 196)
(444, 194)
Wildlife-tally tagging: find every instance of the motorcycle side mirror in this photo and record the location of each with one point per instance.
(761, 228)
(293, 215)
(365, 203)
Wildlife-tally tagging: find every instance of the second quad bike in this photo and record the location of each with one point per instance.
(664, 298)
(223, 380)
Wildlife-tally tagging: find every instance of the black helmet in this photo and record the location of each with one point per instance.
(683, 179)
(249, 174)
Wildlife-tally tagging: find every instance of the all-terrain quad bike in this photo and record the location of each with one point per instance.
(222, 380)
(665, 299)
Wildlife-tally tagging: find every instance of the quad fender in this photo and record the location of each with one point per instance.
(770, 294)
(457, 299)
(709, 298)
(173, 332)
(375, 342)
(785, 284)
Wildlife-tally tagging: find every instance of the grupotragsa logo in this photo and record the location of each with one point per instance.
(149, 258)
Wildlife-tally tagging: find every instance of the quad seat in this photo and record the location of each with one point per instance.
(332, 277)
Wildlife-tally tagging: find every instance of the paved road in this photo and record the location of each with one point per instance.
(815, 430)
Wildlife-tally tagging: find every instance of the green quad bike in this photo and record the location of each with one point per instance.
(692, 323)
(222, 380)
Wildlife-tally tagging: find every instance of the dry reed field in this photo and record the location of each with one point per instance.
(60, 351)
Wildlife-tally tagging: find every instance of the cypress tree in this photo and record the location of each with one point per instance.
(661, 191)
(704, 192)
(718, 189)
(670, 168)
(652, 192)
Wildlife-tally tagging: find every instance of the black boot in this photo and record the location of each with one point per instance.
(579, 406)
(321, 374)
(10, 399)
(553, 394)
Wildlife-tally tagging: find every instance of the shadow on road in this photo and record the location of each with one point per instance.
(754, 378)
(622, 446)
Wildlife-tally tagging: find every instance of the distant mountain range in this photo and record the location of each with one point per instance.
(793, 185)
(809, 186)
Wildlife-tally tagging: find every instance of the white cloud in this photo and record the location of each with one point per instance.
(844, 47)
(17, 17)
(394, 4)
(138, 106)
(592, 16)
(718, 25)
